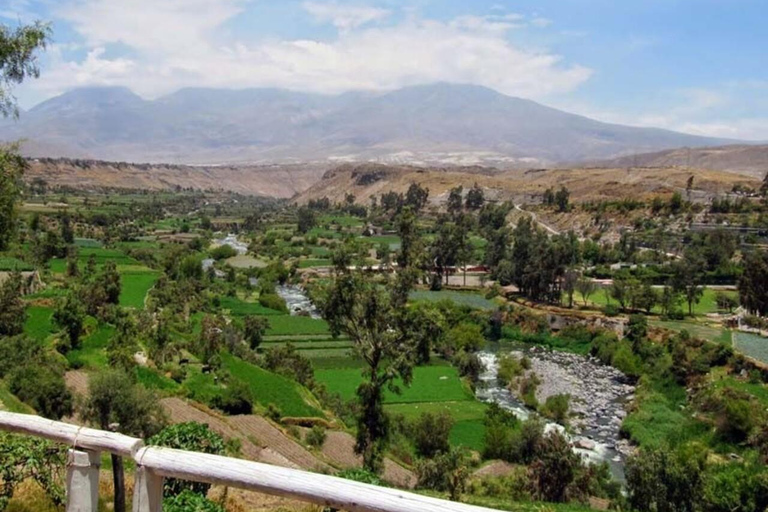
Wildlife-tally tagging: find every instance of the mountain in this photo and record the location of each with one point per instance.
(430, 124)
(749, 160)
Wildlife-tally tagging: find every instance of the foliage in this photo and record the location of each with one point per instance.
(23, 458)
(316, 436)
(273, 301)
(447, 471)
(43, 388)
(754, 282)
(236, 398)
(18, 59)
(190, 436)
(12, 306)
(254, 329)
(188, 501)
(69, 316)
(430, 432)
(554, 469)
(556, 408)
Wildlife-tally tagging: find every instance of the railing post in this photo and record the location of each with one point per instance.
(83, 481)
(147, 491)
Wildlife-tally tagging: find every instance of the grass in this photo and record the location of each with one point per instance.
(706, 305)
(100, 256)
(468, 428)
(151, 379)
(751, 345)
(7, 263)
(269, 388)
(39, 324)
(696, 329)
(471, 299)
(9, 402)
(135, 286)
(430, 384)
(238, 307)
(314, 262)
(91, 352)
(287, 324)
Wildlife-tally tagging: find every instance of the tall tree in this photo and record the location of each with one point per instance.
(475, 198)
(374, 316)
(455, 200)
(13, 309)
(754, 283)
(18, 60)
(688, 278)
(416, 197)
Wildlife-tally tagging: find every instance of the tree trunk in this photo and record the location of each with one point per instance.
(118, 478)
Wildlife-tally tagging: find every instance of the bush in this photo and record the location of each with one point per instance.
(556, 408)
(611, 310)
(43, 389)
(236, 398)
(446, 472)
(360, 475)
(469, 365)
(509, 368)
(316, 436)
(274, 413)
(223, 252)
(273, 301)
(189, 501)
(430, 433)
(191, 436)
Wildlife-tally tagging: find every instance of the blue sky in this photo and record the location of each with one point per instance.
(699, 66)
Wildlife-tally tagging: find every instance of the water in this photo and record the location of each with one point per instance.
(232, 241)
(598, 394)
(297, 301)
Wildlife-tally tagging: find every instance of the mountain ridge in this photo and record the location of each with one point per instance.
(434, 124)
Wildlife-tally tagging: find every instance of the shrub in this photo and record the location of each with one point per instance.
(189, 501)
(554, 469)
(191, 436)
(430, 433)
(236, 398)
(446, 472)
(316, 436)
(509, 369)
(360, 475)
(274, 413)
(223, 252)
(43, 389)
(273, 301)
(611, 310)
(469, 365)
(556, 408)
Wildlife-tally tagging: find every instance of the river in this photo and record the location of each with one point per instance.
(598, 392)
(297, 301)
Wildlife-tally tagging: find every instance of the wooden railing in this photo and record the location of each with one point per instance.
(153, 464)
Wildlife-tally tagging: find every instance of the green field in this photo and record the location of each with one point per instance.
(39, 324)
(698, 330)
(238, 307)
(91, 352)
(751, 345)
(430, 384)
(135, 286)
(706, 305)
(289, 324)
(267, 388)
(471, 299)
(8, 263)
(468, 428)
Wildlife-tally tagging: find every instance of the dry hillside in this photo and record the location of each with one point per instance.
(281, 181)
(366, 180)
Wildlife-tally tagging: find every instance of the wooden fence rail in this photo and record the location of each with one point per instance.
(153, 464)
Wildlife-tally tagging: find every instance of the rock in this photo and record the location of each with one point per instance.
(585, 444)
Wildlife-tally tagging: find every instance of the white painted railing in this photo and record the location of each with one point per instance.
(153, 464)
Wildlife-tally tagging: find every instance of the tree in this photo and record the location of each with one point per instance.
(726, 302)
(43, 388)
(562, 198)
(373, 315)
(12, 167)
(416, 197)
(554, 468)
(254, 329)
(549, 197)
(688, 278)
(475, 198)
(69, 316)
(24, 458)
(586, 287)
(754, 282)
(455, 202)
(18, 60)
(448, 471)
(306, 219)
(13, 309)
(115, 402)
(661, 480)
(570, 280)
(430, 433)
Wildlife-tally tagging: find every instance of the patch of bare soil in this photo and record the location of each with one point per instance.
(77, 382)
(339, 448)
(264, 433)
(494, 468)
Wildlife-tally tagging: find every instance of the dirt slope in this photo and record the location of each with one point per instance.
(366, 180)
(280, 181)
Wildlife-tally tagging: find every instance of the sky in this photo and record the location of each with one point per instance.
(697, 66)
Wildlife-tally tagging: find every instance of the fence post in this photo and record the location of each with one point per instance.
(147, 491)
(83, 480)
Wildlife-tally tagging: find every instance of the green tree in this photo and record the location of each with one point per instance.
(12, 167)
(554, 469)
(254, 329)
(661, 480)
(416, 197)
(455, 202)
(562, 198)
(448, 471)
(25, 458)
(586, 287)
(18, 60)
(43, 388)
(373, 315)
(306, 219)
(13, 309)
(69, 316)
(688, 278)
(475, 198)
(754, 282)
(430, 433)
(116, 402)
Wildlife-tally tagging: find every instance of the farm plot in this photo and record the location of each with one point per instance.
(468, 428)
(238, 307)
(751, 345)
(39, 324)
(134, 287)
(287, 325)
(473, 300)
(430, 384)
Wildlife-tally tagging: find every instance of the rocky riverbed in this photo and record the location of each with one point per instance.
(599, 395)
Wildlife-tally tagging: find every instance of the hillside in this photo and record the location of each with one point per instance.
(366, 180)
(280, 181)
(740, 159)
(439, 124)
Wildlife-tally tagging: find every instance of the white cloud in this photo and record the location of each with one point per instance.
(180, 43)
(344, 17)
